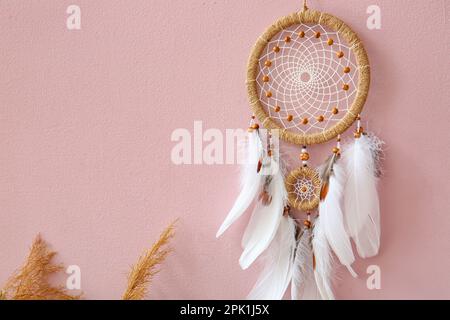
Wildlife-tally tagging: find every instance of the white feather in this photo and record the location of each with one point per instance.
(322, 255)
(303, 285)
(361, 204)
(265, 219)
(251, 181)
(277, 274)
(332, 219)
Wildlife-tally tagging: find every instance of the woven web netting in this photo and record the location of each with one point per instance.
(307, 78)
(304, 190)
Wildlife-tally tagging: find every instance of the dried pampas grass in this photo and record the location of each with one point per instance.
(31, 281)
(148, 265)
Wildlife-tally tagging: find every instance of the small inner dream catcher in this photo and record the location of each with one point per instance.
(308, 79)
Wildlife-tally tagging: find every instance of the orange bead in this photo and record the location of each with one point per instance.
(255, 126)
(266, 78)
(276, 49)
(268, 63)
(320, 118)
(345, 87)
(336, 150)
(339, 54)
(335, 110)
(301, 34)
(346, 69)
(289, 117)
(317, 35)
(304, 156)
(304, 189)
(268, 94)
(305, 121)
(330, 42)
(307, 223)
(287, 39)
(277, 109)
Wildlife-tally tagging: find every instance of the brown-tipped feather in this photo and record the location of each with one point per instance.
(327, 170)
(148, 265)
(31, 281)
(324, 190)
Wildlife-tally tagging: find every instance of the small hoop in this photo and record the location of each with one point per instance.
(303, 177)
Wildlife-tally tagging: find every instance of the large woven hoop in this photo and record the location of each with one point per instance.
(310, 16)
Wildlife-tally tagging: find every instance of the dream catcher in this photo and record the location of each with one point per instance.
(307, 81)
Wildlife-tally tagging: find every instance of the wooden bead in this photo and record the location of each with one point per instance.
(289, 117)
(317, 35)
(266, 78)
(305, 121)
(345, 87)
(336, 150)
(307, 223)
(268, 63)
(304, 156)
(346, 69)
(339, 54)
(268, 94)
(287, 39)
(330, 42)
(335, 110)
(255, 126)
(277, 108)
(304, 189)
(357, 134)
(269, 153)
(276, 49)
(361, 130)
(301, 34)
(320, 118)
(358, 117)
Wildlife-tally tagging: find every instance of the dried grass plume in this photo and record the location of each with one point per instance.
(31, 281)
(148, 265)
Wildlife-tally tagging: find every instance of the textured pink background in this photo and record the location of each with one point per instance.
(86, 118)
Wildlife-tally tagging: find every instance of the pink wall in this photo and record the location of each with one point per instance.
(86, 118)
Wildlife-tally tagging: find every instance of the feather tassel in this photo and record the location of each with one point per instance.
(277, 274)
(265, 219)
(251, 180)
(303, 285)
(323, 261)
(331, 216)
(361, 204)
